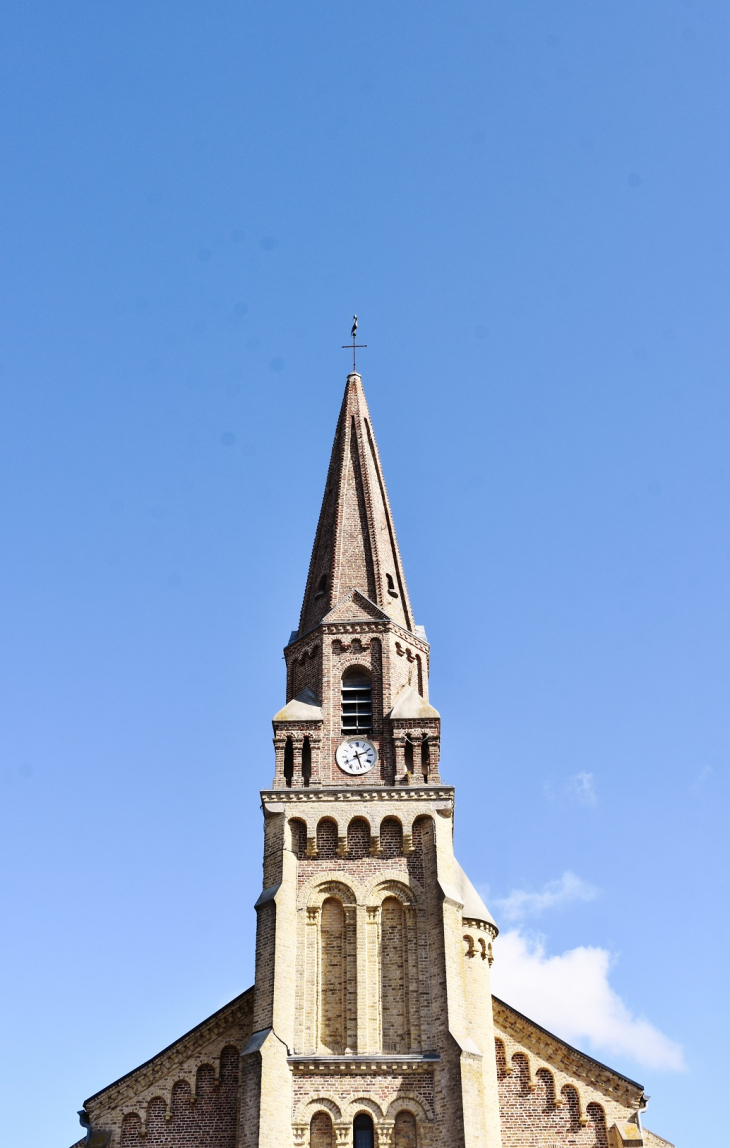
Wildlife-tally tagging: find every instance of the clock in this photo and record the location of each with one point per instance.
(356, 756)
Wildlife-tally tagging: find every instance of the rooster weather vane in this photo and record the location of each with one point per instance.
(354, 344)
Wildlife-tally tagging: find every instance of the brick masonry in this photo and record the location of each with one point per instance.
(372, 994)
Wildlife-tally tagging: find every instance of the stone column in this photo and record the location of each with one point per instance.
(297, 738)
(399, 741)
(343, 1135)
(412, 982)
(311, 980)
(416, 738)
(315, 742)
(386, 1133)
(434, 752)
(361, 948)
(351, 985)
(279, 743)
(372, 1002)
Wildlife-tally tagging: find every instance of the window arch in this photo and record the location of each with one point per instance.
(391, 837)
(393, 976)
(321, 1132)
(357, 701)
(358, 839)
(326, 838)
(298, 838)
(405, 1132)
(289, 761)
(408, 756)
(363, 1131)
(332, 940)
(425, 757)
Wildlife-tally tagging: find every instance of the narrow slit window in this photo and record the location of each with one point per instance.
(321, 587)
(409, 755)
(357, 702)
(391, 586)
(289, 761)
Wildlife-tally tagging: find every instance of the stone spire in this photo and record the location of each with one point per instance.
(355, 547)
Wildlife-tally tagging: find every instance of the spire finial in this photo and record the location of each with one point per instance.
(355, 345)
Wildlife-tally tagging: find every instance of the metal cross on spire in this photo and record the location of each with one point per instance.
(355, 345)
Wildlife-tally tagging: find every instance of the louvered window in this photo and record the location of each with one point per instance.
(357, 702)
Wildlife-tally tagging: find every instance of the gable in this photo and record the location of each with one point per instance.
(558, 1054)
(559, 1093)
(355, 607)
(410, 706)
(305, 706)
(192, 1081)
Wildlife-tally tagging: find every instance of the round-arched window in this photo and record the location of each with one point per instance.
(363, 1131)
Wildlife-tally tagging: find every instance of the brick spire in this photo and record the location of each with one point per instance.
(355, 547)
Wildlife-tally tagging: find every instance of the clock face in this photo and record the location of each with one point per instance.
(356, 756)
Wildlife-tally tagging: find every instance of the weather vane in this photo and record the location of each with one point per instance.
(355, 345)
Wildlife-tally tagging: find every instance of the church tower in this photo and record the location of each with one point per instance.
(371, 1023)
(372, 1012)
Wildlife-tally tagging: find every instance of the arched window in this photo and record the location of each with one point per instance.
(405, 1132)
(363, 1131)
(425, 758)
(326, 839)
(357, 701)
(391, 586)
(332, 1013)
(393, 976)
(358, 839)
(409, 756)
(306, 761)
(391, 837)
(321, 1132)
(321, 587)
(298, 838)
(289, 761)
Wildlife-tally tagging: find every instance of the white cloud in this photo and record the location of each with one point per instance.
(570, 995)
(702, 777)
(522, 903)
(582, 787)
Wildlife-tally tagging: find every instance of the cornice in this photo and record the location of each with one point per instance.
(373, 625)
(360, 1064)
(365, 793)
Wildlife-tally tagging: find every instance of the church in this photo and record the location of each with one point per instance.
(371, 1022)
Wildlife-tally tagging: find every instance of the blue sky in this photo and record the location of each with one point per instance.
(527, 207)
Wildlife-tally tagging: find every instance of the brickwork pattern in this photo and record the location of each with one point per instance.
(355, 544)
(405, 1132)
(322, 1133)
(207, 1116)
(393, 974)
(359, 862)
(332, 939)
(372, 985)
(530, 1117)
(384, 1089)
